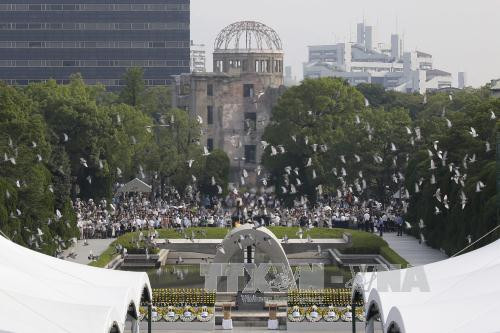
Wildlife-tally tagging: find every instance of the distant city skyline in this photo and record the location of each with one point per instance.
(460, 36)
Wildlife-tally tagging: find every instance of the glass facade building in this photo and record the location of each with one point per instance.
(52, 39)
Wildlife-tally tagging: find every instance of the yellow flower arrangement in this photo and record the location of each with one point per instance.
(331, 314)
(313, 314)
(296, 314)
(143, 313)
(205, 314)
(188, 314)
(360, 314)
(171, 314)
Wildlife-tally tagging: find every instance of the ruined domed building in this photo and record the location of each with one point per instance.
(236, 99)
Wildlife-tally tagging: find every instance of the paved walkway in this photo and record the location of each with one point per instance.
(409, 248)
(81, 251)
(345, 328)
(340, 327)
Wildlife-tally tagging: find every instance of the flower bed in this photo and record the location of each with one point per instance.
(181, 297)
(321, 297)
(322, 306)
(181, 306)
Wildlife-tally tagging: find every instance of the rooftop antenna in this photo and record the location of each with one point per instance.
(403, 40)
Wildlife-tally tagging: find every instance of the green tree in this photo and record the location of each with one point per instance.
(177, 139)
(157, 103)
(313, 113)
(63, 141)
(447, 125)
(324, 123)
(28, 200)
(133, 91)
(216, 166)
(106, 143)
(378, 96)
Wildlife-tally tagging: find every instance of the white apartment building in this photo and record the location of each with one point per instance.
(198, 58)
(289, 79)
(362, 62)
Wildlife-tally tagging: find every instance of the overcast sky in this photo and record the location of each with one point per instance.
(462, 35)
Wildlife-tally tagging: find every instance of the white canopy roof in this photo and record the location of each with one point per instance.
(454, 295)
(53, 295)
(135, 185)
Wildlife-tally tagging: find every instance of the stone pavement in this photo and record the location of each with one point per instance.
(340, 328)
(97, 246)
(360, 327)
(409, 248)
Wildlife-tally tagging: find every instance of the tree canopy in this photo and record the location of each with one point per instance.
(433, 156)
(327, 137)
(60, 142)
(322, 131)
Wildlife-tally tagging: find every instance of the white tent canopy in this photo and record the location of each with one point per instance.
(135, 186)
(54, 295)
(454, 295)
(30, 314)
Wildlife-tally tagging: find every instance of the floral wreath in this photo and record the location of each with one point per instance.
(331, 314)
(159, 314)
(205, 314)
(192, 316)
(309, 314)
(143, 312)
(293, 310)
(167, 315)
(346, 314)
(360, 314)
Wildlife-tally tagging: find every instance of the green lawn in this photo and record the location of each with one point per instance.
(106, 256)
(363, 242)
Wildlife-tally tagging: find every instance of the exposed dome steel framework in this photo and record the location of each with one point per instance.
(248, 35)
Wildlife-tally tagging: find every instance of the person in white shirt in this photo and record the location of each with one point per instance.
(221, 222)
(196, 221)
(210, 221)
(275, 221)
(366, 220)
(187, 222)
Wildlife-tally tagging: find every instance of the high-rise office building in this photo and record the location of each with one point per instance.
(52, 39)
(462, 80)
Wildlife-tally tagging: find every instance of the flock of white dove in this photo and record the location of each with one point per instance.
(36, 237)
(359, 183)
